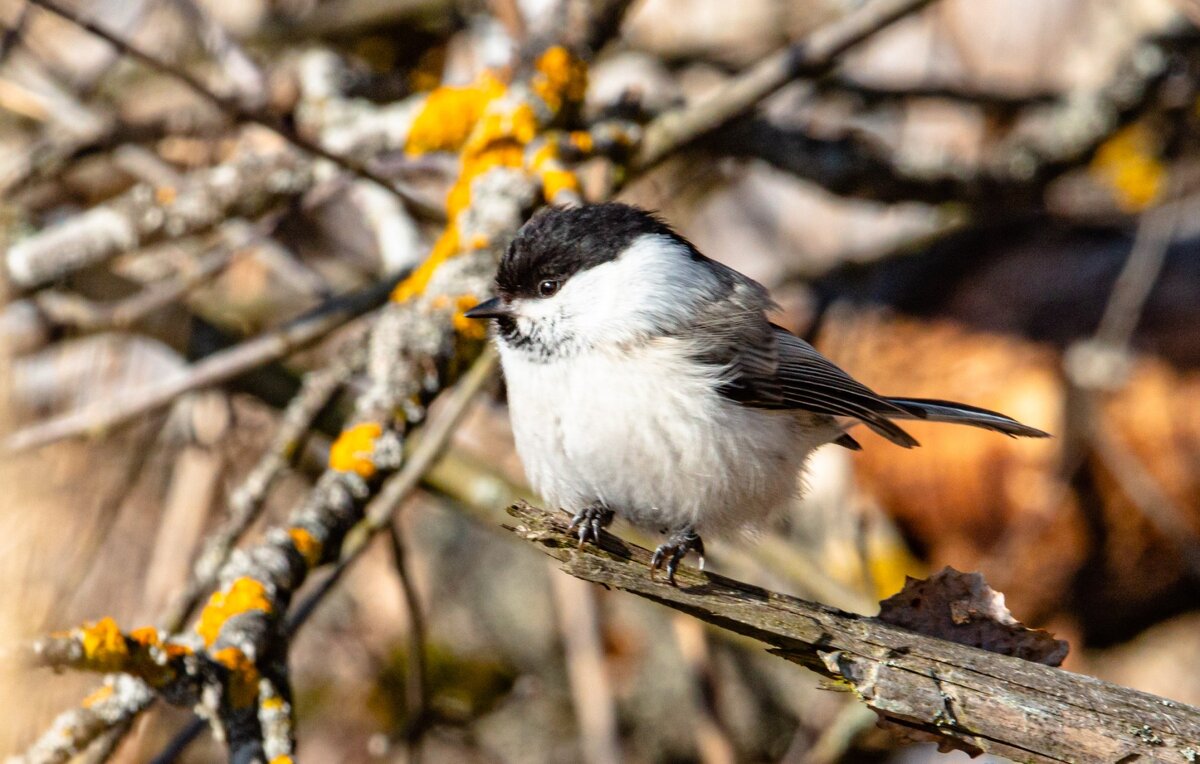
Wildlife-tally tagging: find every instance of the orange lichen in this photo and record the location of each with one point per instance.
(243, 595)
(282, 759)
(104, 645)
(1129, 163)
(449, 115)
(307, 545)
(147, 636)
(100, 695)
(273, 703)
(582, 141)
(165, 195)
(352, 450)
(243, 676)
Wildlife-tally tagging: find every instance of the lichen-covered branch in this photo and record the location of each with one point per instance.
(246, 187)
(966, 697)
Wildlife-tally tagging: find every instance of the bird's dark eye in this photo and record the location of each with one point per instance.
(548, 287)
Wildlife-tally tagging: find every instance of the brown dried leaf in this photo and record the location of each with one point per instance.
(961, 607)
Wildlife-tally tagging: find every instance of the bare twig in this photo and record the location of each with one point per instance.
(981, 701)
(240, 71)
(416, 679)
(814, 56)
(215, 369)
(236, 109)
(1136, 280)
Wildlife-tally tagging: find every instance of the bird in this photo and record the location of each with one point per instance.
(647, 381)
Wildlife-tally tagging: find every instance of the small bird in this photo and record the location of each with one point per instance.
(646, 380)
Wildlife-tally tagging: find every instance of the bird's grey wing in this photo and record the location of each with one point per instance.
(768, 367)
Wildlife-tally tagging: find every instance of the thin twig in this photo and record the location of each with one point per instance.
(234, 108)
(216, 369)
(1132, 288)
(416, 680)
(70, 310)
(247, 500)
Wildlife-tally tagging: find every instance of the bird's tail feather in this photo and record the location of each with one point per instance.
(960, 413)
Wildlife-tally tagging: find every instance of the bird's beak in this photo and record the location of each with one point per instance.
(493, 308)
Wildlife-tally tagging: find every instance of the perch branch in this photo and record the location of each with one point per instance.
(980, 701)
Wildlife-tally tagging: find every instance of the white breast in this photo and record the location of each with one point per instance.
(645, 432)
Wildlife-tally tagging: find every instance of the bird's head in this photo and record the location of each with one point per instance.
(596, 276)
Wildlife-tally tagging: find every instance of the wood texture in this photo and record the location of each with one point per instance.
(968, 698)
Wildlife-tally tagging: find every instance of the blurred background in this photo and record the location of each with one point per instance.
(990, 201)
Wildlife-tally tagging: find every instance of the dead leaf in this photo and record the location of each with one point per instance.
(961, 607)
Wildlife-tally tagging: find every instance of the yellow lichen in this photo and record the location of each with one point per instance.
(1129, 163)
(416, 282)
(352, 450)
(104, 645)
(101, 694)
(449, 115)
(306, 544)
(282, 759)
(492, 133)
(243, 676)
(555, 181)
(243, 595)
(560, 77)
(467, 328)
(273, 703)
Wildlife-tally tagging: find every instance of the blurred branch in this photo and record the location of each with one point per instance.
(247, 80)
(235, 108)
(577, 607)
(966, 697)
(1055, 135)
(215, 369)
(814, 56)
(872, 94)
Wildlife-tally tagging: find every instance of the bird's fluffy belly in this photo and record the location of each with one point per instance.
(652, 439)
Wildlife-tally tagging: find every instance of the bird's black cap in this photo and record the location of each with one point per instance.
(557, 243)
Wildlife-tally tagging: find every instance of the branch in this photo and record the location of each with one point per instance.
(964, 696)
(816, 55)
(247, 186)
(217, 368)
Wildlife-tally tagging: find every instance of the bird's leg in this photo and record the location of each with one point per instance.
(674, 549)
(590, 520)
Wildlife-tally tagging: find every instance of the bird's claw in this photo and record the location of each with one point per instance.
(590, 521)
(674, 549)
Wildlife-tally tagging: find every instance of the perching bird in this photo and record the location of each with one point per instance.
(645, 380)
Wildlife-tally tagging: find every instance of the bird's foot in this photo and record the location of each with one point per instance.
(674, 549)
(590, 521)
